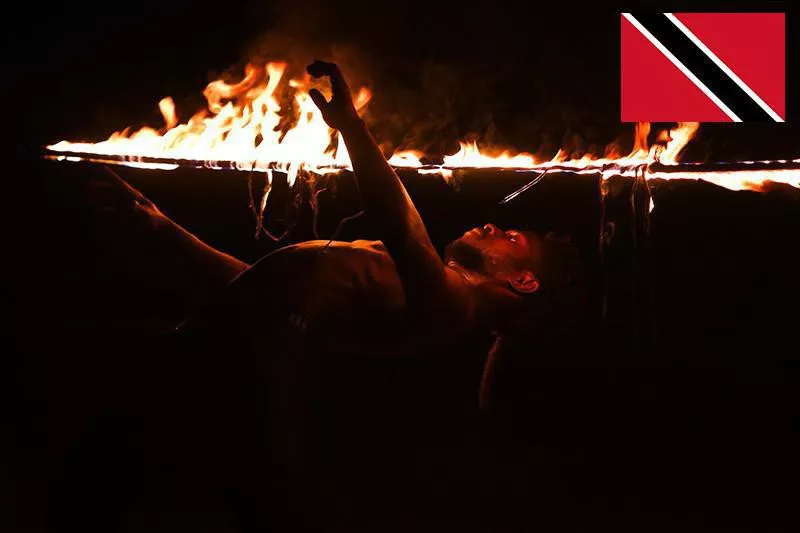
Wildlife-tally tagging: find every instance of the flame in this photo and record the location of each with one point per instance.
(469, 155)
(740, 180)
(264, 122)
(640, 141)
(242, 124)
(167, 108)
(407, 159)
(677, 141)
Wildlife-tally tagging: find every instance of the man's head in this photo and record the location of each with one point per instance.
(512, 256)
(525, 261)
(521, 272)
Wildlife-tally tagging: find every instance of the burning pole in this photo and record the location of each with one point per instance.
(732, 174)
(265, 122)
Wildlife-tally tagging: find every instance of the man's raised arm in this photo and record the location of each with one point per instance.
(385, 200)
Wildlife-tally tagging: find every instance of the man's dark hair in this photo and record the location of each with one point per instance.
(563, 295)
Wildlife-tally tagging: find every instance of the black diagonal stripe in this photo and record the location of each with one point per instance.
(703, 67)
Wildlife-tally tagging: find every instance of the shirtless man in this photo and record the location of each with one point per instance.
(301, 307)
(394, 296)
(329, 290)
(260, 342)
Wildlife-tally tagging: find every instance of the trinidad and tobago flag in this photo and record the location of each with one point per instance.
(703, 67)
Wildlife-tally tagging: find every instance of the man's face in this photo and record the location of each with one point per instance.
(492, 251)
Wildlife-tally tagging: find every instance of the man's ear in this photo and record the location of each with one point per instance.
(524, 282)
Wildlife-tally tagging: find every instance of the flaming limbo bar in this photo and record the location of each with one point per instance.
(734, 175)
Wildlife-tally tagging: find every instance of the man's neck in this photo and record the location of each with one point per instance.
(470, 277)
(495, 303)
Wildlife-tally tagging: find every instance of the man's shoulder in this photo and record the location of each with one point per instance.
(314, 258)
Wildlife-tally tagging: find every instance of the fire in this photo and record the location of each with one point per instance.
(251, 125)
(677, 141)
(407, 159)
(469, 155)
(242, 124)
(754, 180)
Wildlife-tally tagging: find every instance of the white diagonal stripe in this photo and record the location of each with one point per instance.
(717, 61)
(686, 72)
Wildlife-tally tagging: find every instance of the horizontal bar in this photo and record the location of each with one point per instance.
(599, 166)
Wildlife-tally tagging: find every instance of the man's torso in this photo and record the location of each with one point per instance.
(346, 295)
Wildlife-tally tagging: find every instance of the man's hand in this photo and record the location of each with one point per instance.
(339, 113)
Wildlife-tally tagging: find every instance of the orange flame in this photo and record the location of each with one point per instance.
(246, 126)
(242, 124)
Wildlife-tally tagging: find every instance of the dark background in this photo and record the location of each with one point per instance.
(678, 411)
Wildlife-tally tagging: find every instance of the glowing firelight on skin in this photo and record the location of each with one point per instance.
(244, 127)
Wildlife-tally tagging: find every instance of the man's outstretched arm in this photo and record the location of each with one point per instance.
(385, 200)
(140, 249)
